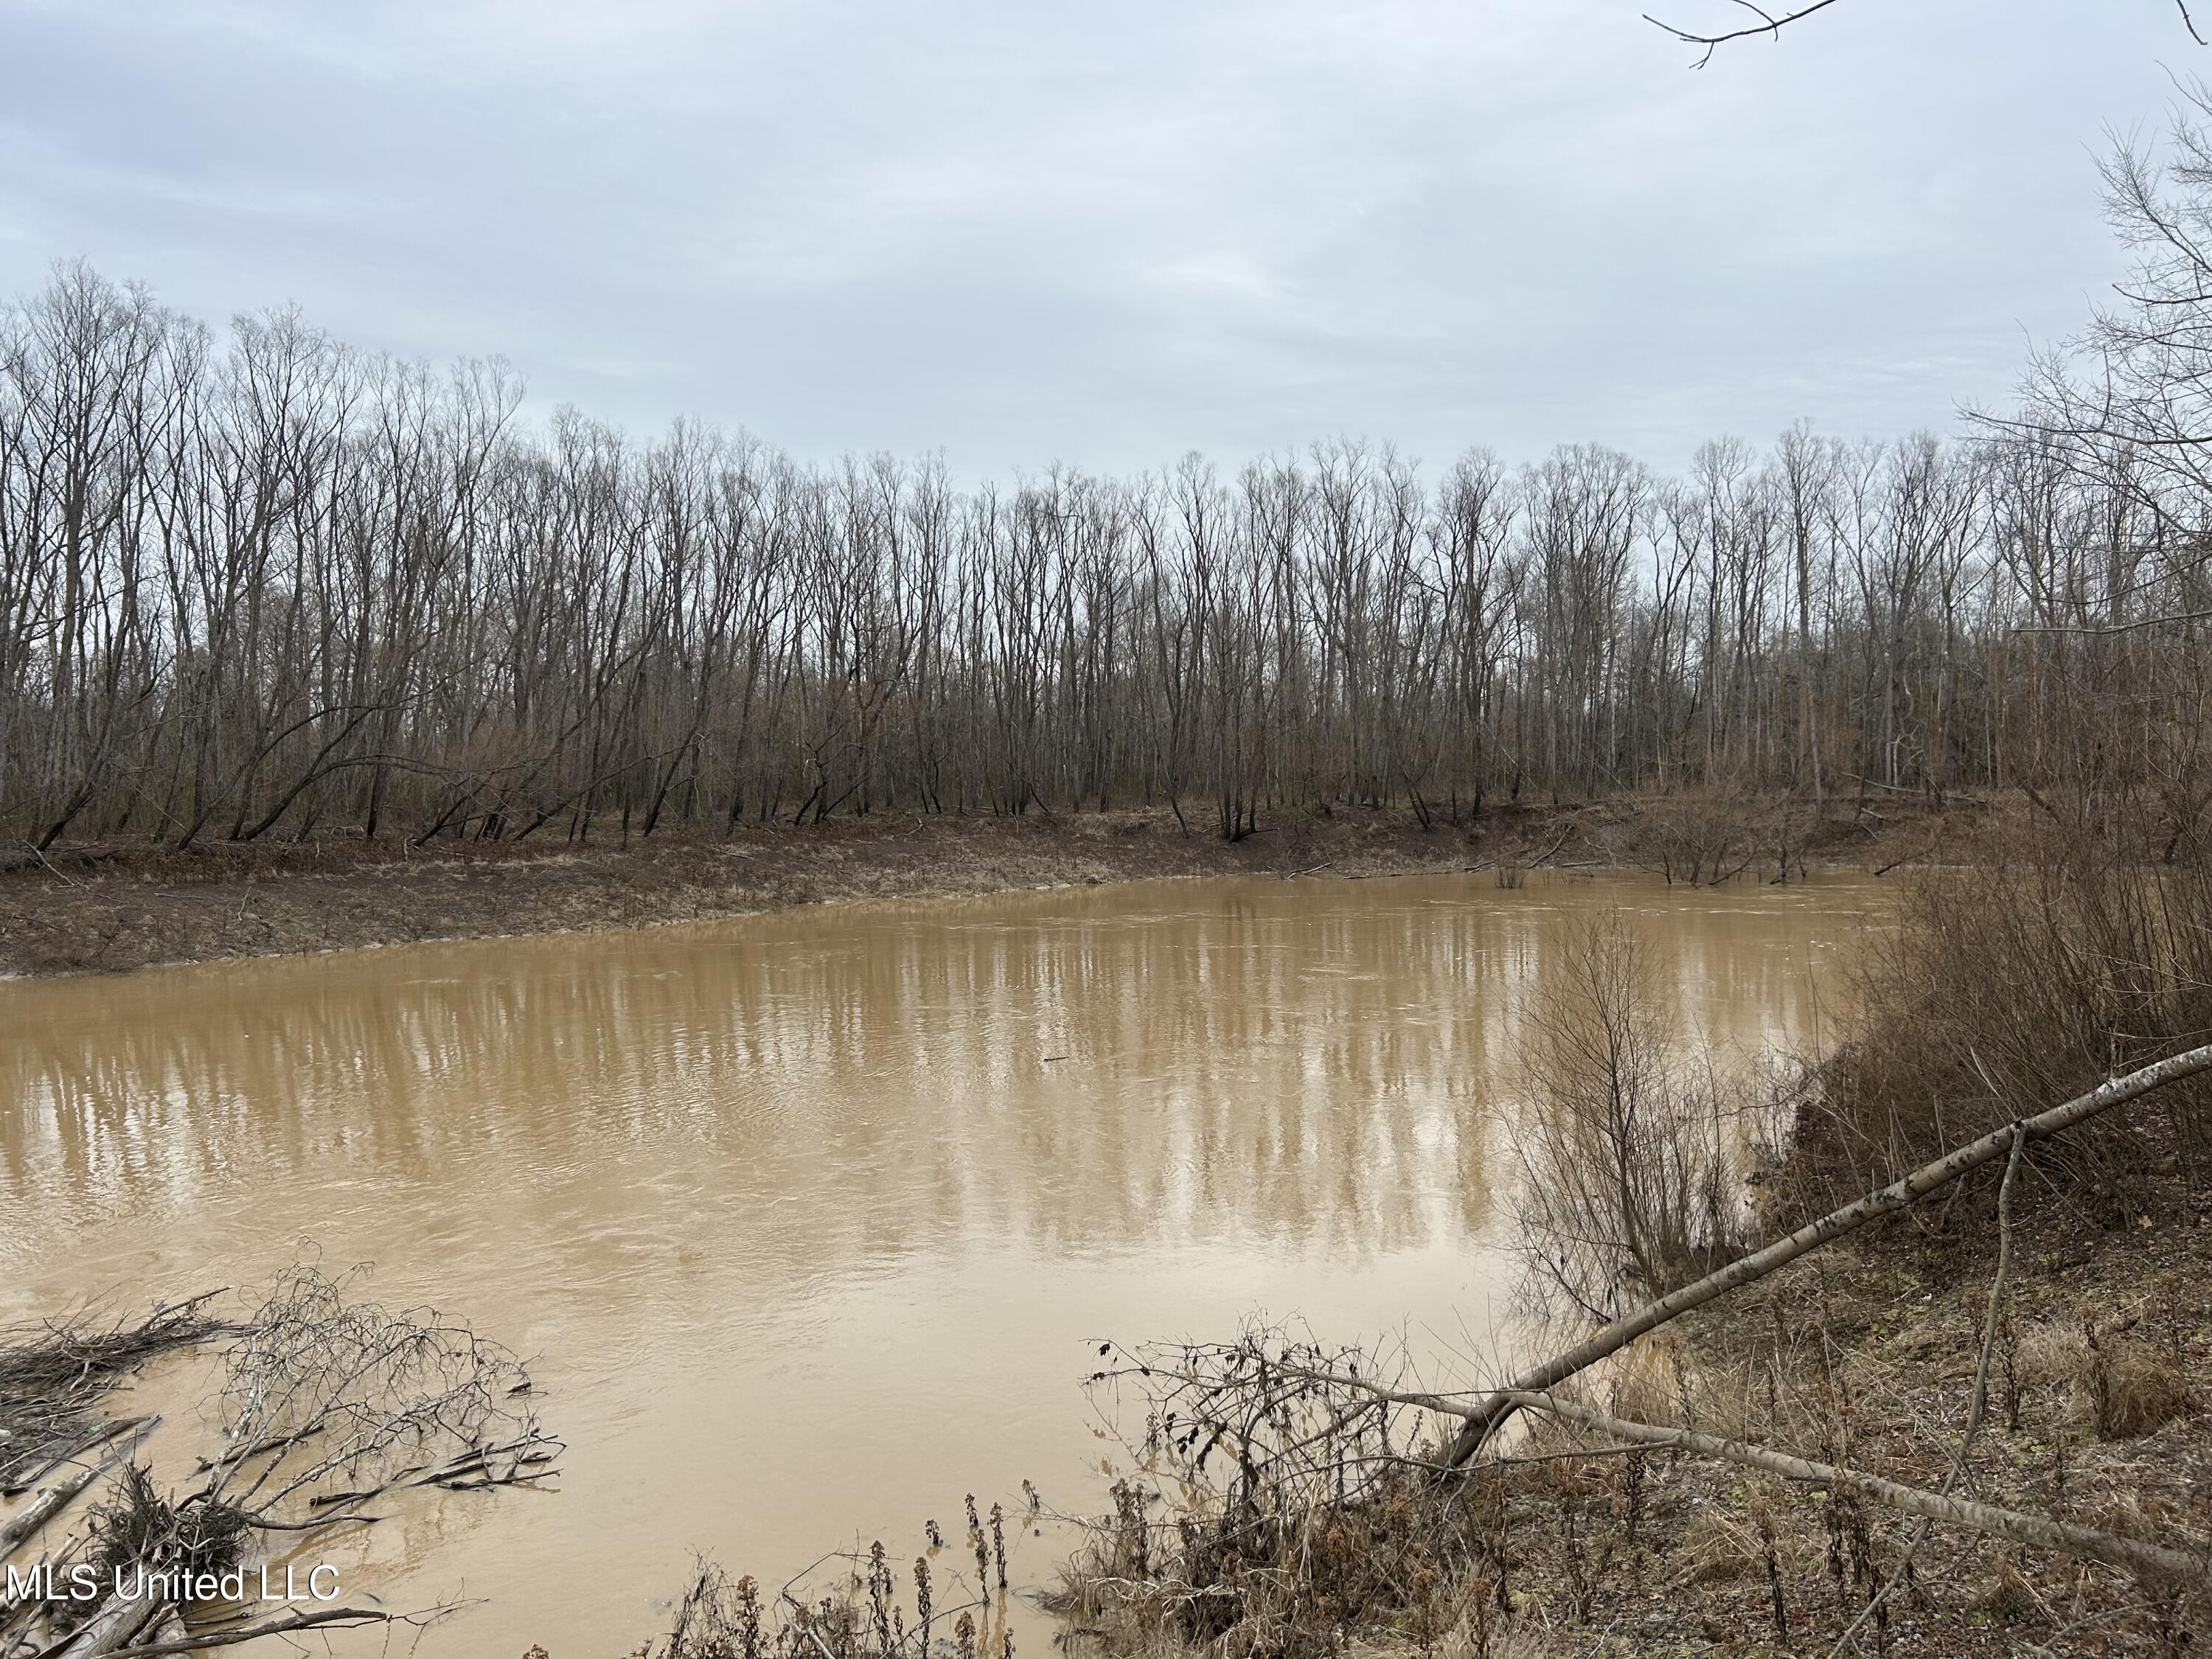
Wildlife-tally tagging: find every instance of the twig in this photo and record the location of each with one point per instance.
(1917, 853)
(1767, 24)
(1432, 869)
(2068, 1538)
(1773, 26)
(91, 1442)
(1545, 856)
(2117, 628)
(1893, 788)
(40, 853)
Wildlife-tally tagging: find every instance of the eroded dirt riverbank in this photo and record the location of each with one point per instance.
(109, 908)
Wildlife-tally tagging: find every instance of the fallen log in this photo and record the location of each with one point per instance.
(1484, 1420)
(2192, 1568)
(112, 1629)
(2039, 1532)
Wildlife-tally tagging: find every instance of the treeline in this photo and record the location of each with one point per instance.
(257, 583)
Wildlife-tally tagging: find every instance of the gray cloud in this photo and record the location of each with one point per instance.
(1030, 233)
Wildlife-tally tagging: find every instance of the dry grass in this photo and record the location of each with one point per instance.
(2115, 1385)
(861, 1608)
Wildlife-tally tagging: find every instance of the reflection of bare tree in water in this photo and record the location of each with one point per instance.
(1626, 1145)
(1288, 1497)
(328, 1404)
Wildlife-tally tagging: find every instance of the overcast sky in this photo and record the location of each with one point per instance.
(1108, 233)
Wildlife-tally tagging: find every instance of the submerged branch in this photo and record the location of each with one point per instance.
(285, 1624)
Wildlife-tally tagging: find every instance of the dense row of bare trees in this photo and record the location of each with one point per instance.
(255, 583)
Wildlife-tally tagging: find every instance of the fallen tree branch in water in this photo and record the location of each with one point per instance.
(1484, 1420)
(334, 1401)
(328, 1403)
(91, 1441)
(112, 1629)
(345, 1618)
(59, 1495)
(52, 1375)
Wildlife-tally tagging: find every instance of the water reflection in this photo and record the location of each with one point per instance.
(807, 1214)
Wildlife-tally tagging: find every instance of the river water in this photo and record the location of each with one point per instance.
(805, 1221)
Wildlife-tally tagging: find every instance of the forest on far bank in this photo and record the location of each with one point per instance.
(254, 584)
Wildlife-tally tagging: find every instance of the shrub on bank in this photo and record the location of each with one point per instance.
(2008, 988)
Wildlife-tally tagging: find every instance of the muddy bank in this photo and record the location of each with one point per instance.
(110, 908)
(107, 909)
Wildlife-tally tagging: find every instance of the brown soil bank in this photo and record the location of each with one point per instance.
(106, 908)
(111, 907)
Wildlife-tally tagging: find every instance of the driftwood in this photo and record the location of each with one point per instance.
(342, 1617)
(90, 1442)
(59, 1495)
(1423, 870)
(1483, 1421)
(112, 1629)
(53, 1376)
(328, 1403)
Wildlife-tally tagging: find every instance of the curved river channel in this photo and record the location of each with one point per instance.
(804, 1220)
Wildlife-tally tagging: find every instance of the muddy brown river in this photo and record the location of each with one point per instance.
(804, 1221)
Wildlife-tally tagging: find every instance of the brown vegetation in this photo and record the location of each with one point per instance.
(2069, 954)
(855, 1606)
(1286, 1510)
